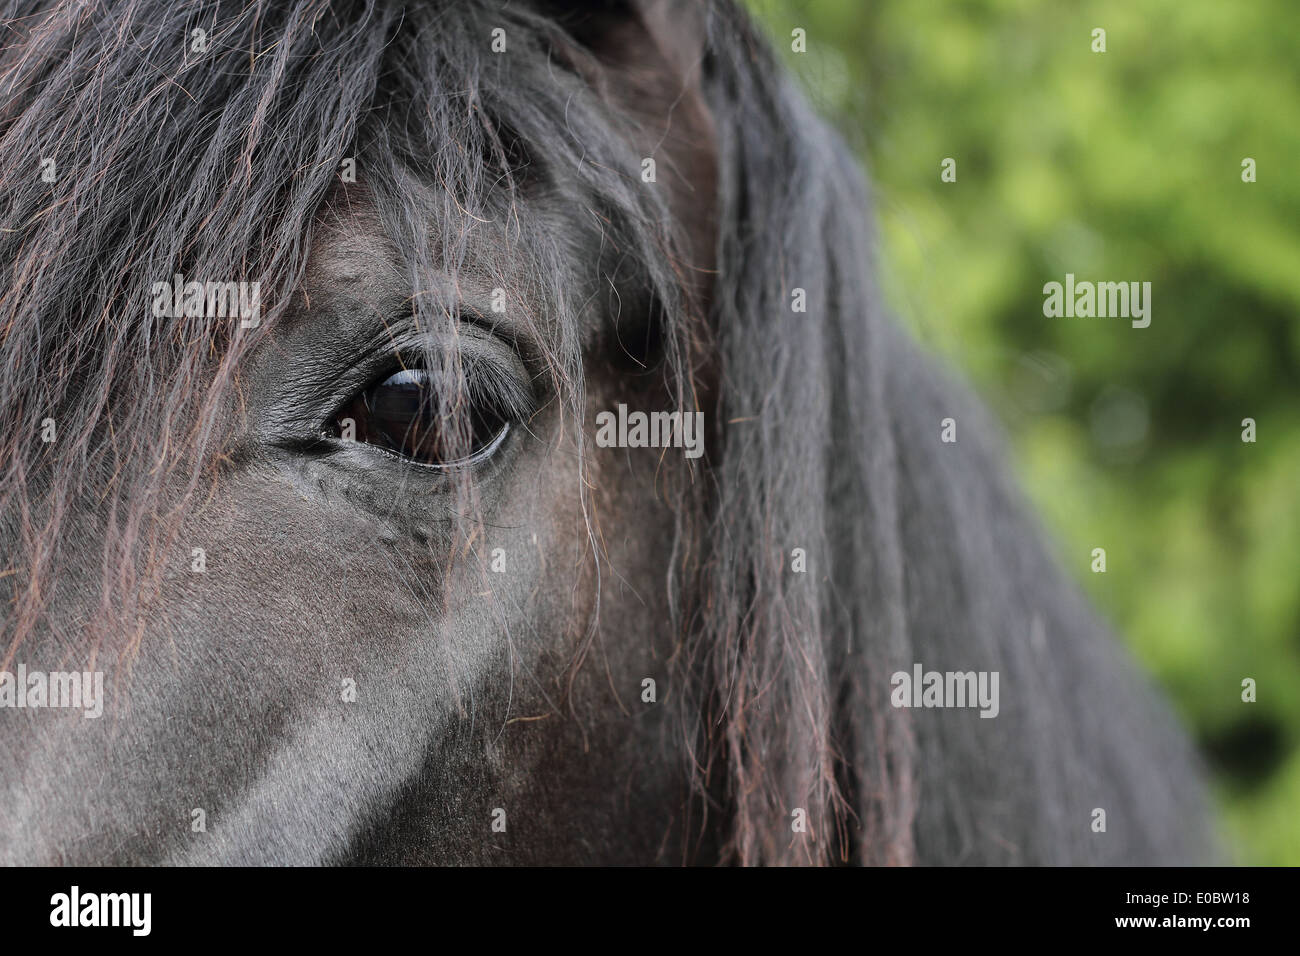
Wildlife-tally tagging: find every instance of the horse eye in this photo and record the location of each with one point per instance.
(401, 415)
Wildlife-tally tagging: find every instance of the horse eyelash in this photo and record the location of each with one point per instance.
(486, 384)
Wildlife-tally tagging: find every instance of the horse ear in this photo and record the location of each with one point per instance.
(651, 58)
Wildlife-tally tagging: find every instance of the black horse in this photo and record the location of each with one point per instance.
(311, 312)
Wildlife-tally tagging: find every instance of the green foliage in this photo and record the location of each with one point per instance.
(1115, 166)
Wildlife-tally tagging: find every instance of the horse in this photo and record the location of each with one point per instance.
(311, 311)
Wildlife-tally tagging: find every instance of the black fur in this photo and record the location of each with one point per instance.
(518, 170)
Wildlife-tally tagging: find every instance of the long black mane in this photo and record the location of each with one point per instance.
(226, 162)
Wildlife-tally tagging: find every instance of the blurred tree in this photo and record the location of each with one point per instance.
(1125, 165)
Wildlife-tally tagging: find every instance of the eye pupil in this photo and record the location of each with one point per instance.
(401, 414)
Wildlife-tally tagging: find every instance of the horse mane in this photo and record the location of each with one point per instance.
(226, 164)
(918, 551)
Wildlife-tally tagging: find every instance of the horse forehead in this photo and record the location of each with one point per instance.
(351, 246)
(352, 250)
